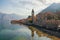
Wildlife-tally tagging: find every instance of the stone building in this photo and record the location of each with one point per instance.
(32, 16)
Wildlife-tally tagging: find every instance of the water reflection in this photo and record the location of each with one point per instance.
(41, 35)
(22, 32)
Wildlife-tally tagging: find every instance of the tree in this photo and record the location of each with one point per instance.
(58, 17)
(49, 17)
(30, 21)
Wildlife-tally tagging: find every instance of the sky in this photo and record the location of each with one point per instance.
(24, 7)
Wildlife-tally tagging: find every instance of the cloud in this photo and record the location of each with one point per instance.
(21, 7)
(43, 1)
(47, 2)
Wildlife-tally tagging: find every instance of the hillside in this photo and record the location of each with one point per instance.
(5, 19)
(52, 8)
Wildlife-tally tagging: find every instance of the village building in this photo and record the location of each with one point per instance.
(48, 19)
(32, 18)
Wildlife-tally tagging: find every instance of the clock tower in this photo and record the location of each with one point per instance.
(32, 16)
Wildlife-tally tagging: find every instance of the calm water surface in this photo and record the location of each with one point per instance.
(10, 31)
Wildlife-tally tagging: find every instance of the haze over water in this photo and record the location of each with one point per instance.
(19, 32)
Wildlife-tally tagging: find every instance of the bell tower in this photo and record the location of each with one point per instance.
(32, 16)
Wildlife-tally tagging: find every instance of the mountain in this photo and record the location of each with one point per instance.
(52, 8)
(5, 19)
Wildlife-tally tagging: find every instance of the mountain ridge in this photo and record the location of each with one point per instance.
(52, 8)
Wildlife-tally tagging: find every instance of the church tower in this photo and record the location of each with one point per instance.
(32, 16)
